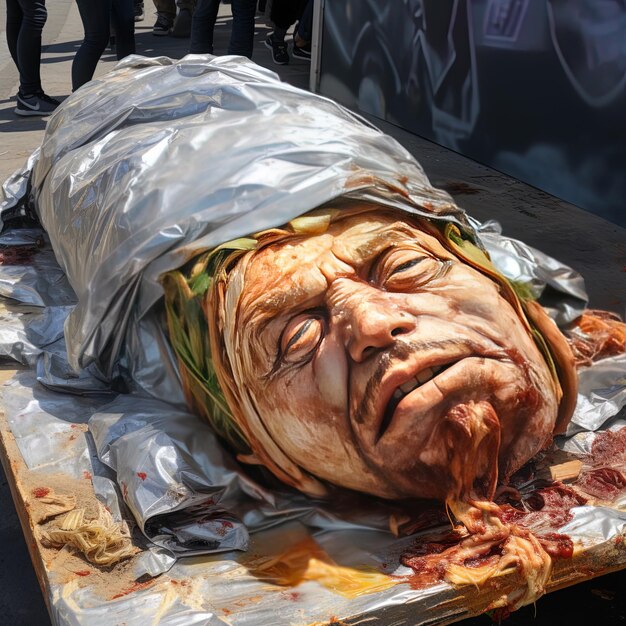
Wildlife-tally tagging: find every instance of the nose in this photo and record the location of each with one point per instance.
(369, 319)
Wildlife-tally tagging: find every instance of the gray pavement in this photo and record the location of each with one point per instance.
(592, 245)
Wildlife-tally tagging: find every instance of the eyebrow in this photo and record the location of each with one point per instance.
(281, 300)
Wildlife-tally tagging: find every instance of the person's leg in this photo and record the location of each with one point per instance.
(166, 8)
(303, 34)
(182, 22)
(123, 19)
(242, 34)
(95, 15)
(281, 16)
(138, 10)
(13, 26)
(166, 12)
(305, 25)
(203, 25)
(28, 45)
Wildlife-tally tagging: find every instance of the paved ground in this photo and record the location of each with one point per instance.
(592, 245)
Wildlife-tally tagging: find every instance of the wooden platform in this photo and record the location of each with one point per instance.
(441, 608)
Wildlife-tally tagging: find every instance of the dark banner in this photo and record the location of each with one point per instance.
(534, 88)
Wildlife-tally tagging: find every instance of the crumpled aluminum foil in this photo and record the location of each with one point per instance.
(138, 171)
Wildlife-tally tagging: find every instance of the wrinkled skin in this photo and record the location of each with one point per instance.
(333, 324)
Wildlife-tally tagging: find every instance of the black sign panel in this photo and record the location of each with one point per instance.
(534, 88)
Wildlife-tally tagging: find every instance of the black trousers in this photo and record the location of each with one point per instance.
(284, 13)
(97, 16)
(242, 33)
(25, 21)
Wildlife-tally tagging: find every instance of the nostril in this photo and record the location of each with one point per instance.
(399, 331)
(368, 352)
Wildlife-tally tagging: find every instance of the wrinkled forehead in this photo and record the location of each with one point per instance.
(299, 268)
(354, 241)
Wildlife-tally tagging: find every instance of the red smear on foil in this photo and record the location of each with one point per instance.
(137, 586)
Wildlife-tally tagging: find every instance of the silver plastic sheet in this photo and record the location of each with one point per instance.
(250, 153)
(138, 171)
(520, 262)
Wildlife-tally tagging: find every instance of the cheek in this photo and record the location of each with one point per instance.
(305, 412)
(329, 370)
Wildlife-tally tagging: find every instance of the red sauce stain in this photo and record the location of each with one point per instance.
(124, 489)
(556, 497)
(609, 447)
(426, 569)
(40, 492)
(605, 483)
(294, 596)
(136, 586)
(19, 255)
(82, 572)
(73, 425)
(226, 611)
(619, 540)
(223, 528)
(87, 475)
(545, 510)
(72, 437)
(142, 475)
(556, 545)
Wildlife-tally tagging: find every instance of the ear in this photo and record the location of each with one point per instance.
(563, 360)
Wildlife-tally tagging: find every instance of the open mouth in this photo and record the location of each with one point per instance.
(405, 389)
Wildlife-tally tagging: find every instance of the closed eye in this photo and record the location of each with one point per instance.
(301, 337)
(405, 269)
(408, 265)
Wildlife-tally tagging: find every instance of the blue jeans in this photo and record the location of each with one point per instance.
(242, 33)
(25, 21)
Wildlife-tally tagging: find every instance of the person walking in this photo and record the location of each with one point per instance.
(241, 35)
(97, 17)
(24, 23)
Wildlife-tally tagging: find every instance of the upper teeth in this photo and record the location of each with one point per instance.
(422, 377)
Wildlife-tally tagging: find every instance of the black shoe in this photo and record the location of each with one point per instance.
(280, 56)
(162, 26)
(182, 24)
(48, 99)
(35, 104)
(303, 53)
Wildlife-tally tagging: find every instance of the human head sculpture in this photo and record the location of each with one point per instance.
(369, 349)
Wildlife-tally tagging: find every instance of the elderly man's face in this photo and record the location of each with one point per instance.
(363, 341)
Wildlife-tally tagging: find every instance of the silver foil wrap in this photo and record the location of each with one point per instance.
(140, 170)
